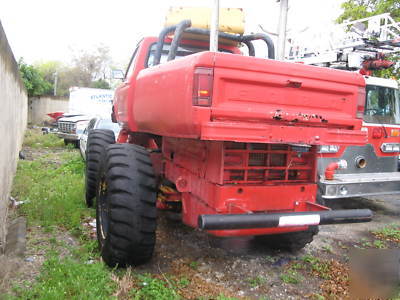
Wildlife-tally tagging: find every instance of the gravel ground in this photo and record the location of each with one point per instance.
(242, 268)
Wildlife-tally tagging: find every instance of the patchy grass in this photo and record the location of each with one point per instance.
(256, 281)
(388, 233)
(291, 276)
(70, 279)
(317, 266)
(52, 191)
(35, 139)
(150, 287)
(194, 265)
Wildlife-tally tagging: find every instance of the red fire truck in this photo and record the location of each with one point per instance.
(349, 171)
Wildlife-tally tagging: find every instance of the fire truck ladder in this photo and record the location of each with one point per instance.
(351, 43)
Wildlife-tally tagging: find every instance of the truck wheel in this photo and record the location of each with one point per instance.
(291, 241)
(126, 206)
(98, 139)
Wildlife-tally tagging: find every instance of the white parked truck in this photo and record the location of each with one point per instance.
(84, 104)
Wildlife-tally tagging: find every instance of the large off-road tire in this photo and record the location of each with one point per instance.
(291, 241)
(98, 139)
(126, 206)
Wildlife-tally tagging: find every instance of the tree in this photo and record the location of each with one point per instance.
(88, 68)
(93, 65)
(34, 82)
(100, 84)
(358, 9)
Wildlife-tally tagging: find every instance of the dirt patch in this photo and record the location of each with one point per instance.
(241, 267)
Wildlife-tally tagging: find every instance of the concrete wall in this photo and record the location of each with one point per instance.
(13, 120)
(39, 107)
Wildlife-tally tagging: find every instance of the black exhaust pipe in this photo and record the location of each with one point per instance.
(258, 220)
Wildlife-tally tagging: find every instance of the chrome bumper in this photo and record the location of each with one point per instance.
(360, 185)
(68, 136)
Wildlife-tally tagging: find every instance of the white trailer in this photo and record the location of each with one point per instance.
(84, 104)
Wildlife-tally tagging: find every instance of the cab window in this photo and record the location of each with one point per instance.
(382, 105)
(132, 63)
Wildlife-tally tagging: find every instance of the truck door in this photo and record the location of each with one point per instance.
(121, 93)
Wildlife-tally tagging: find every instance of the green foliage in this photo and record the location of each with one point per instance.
(358, 9)
(153, 288)
(194, 265)
(70, 279)
(222, 297)
(322, 268)
(52, 188)
(34, 82)
(291, 276)
(100, 84)
(37, 140)
(379, 244)
(391, 232)
(256, 281)
(89, 68)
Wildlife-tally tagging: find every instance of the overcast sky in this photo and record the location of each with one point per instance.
(48, 29)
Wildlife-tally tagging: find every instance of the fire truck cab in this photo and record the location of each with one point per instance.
(362, 46)
(370, 169)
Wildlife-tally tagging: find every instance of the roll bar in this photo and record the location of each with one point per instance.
(185, 26)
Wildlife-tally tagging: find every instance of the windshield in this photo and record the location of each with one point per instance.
(107, 124)
(382, 105)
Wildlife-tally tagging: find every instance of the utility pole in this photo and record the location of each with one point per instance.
(55, 83)
(282, 29)
(214, 27)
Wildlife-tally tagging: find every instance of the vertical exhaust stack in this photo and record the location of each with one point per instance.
(214, 27)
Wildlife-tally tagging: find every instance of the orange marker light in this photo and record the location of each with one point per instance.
(395, 132)
(204, 93)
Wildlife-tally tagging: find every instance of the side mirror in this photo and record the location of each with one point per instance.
(118, 74)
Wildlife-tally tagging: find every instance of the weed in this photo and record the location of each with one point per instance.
(153, 288)
(291, 276)
(53, 195)
(256, 281)
(184, 282)
(327, 248)
(379, 244)
(270, 259)
(391, 233)
(317, 297)
(36, 139)
(194, 265)
(297, 266)
(317, 266)
(365, 243)
(70, 279)
(222, 297)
